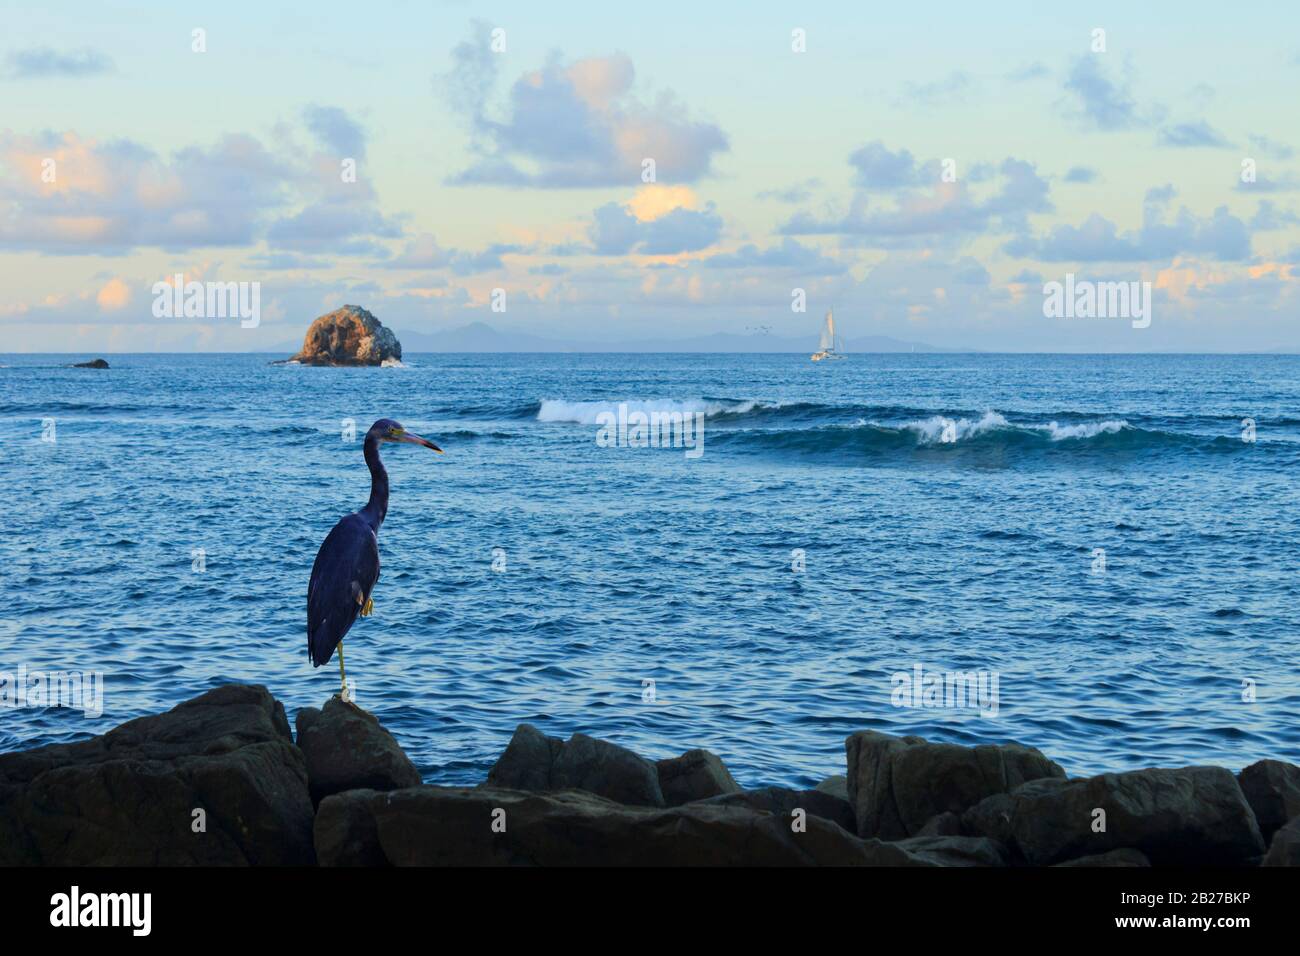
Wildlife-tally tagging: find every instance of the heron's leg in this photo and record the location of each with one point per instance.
(343, 677)
(368, 608)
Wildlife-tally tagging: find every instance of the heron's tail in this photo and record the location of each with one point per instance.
(320, 645)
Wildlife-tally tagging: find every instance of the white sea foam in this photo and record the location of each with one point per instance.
(940, 429)
(1085, 430)
(393, 363)
(943, 430)
(584, 413)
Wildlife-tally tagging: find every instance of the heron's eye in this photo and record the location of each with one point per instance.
(395, 432)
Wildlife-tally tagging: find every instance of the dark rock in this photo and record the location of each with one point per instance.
(1123, 857)
(533, 761)
(953, 850)
(441, 826)
(94, 363)
(348, 749)
(348, 336)
(1272, 789)
(346, 833)
(1285, 848)
(127, 798)
(945, 824)
(1195, 815)
(527, 760)
(695, 775)
(836, 786)
(597, 766)
(897, 784)
(783, 803)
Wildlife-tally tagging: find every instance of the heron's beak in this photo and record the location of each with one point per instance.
(412, 438)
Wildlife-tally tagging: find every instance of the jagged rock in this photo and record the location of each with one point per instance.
(346, 832)
(896, 784)
(1123, 857)
(526, 762)
(445, 826)
(953, 850)
(1285, 848)
(695, 775)
(836, 786)
(93, 363)
(1272, 789)
(348, 749)
(348, 336)
(128, 797)
(533, 761)
(1195, 815)
(944, 824)
(783, 802)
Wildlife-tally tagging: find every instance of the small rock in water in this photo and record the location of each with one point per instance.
(94, 363)
(348, 336)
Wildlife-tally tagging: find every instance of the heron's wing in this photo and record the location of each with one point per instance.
(345, 572)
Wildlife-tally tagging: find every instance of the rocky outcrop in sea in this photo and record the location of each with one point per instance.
(348, 336)
(220, 780)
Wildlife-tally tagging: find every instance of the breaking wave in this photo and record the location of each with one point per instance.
(991, 433)
(585, 413)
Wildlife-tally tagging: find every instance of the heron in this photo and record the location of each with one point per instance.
(347, 565)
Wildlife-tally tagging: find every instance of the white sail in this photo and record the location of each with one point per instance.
(826, 349)
(828, 333)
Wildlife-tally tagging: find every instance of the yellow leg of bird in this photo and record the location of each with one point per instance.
(368, 608)
(343, 677)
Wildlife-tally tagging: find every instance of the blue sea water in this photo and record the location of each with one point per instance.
(948, 509)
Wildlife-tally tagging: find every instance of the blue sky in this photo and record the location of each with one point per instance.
(521, 169)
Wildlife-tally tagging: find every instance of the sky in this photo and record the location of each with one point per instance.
(606, 172)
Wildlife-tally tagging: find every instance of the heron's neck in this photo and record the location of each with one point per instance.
(377, 507)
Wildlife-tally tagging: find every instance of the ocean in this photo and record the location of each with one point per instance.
(1104, 546)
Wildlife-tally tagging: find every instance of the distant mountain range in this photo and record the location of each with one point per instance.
(480, 337)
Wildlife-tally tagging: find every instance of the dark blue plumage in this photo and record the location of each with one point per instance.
(347, 565)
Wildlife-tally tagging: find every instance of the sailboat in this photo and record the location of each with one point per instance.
(828, 348)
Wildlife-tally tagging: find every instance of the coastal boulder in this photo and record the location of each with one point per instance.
(695, 775)
(1285, 848)
(348, 749)
(1272, 789)
(836, 785)
(784, 802)
(533, 761)
(897, 784)
(214, 781)
(348, 336)
(487, 826)
(1111, 859)
(1194, 815)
